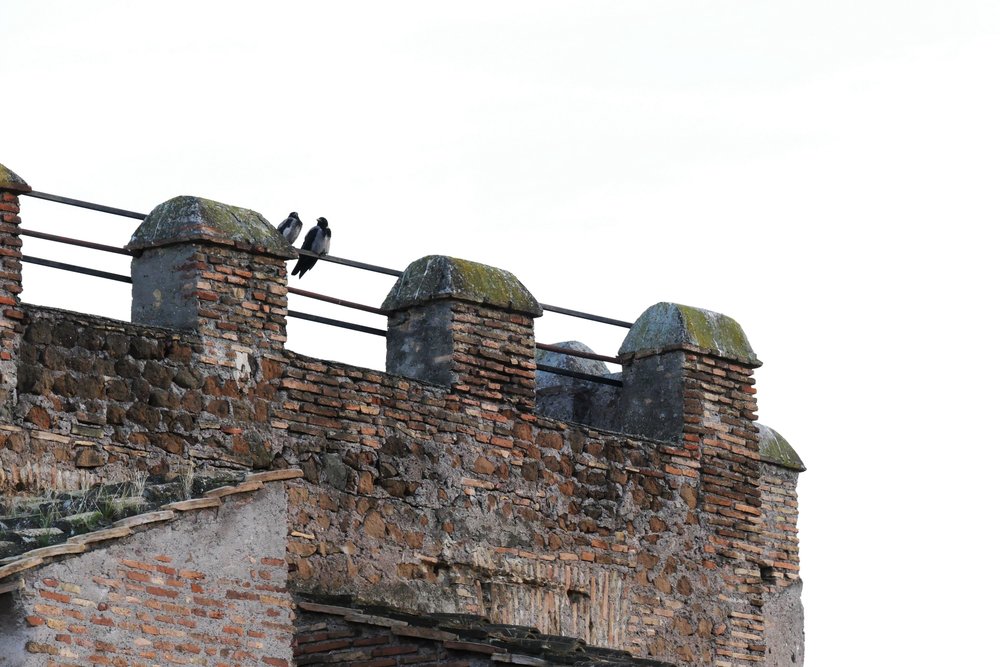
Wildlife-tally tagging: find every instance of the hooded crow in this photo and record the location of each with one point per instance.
(317, 242)
(291, 227)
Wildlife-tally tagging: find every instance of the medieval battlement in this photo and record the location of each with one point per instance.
(648, 514)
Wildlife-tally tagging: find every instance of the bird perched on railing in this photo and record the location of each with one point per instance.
(291, 227)
(317, 242)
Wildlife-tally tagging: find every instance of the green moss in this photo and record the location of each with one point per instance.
(775, 449)
(439, 277)
(669, 325)
(12, 182)
(184, 219)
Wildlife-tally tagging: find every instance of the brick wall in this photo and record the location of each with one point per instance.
(494, 355)
(451, 497)
(782, 611)
(206, 589)
(414, 500)
(427, 500)
(10, 286)
(413, 494)
(719, 412)
(780, 511)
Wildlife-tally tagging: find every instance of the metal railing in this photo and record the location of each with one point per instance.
(304, 293)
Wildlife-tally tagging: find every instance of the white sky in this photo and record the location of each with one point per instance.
(824, 172)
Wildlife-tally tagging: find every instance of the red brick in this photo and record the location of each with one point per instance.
(323, 646)
(394, 650)
(240, 595)
(162, 592)
(52, 595)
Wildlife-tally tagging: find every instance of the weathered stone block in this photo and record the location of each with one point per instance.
(89, 457)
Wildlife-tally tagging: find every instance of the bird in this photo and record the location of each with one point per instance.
(291, 227)
(317, 242)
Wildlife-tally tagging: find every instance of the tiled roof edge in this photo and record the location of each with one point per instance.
(124, 527)
(451, 636)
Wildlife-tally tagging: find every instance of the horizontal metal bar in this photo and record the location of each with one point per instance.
(585, 316)
(334, 300)
(361, 265)
(77, 242)
(75, 269)
(325, 258)
(337, 323)
(579, 376)
(352, 263)
(577, 353)
(85, 204)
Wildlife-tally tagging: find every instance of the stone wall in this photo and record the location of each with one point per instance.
(527, 521)
(99, 395)
(437, 486)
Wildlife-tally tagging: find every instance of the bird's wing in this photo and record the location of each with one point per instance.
(310, 240)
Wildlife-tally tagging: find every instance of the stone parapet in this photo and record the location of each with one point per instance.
(466, 326)
(436, 486)
(688, 378)
(215, 269)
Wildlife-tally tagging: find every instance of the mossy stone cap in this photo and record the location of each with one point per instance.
(775, 449)
(11, 182)
(184, 219)
(670, 326)
(439, 277)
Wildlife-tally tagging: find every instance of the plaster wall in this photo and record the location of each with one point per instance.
(207, 587)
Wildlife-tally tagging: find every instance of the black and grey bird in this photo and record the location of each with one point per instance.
(317, 242)
(291, 227)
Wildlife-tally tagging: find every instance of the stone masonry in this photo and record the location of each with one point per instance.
(663, 523)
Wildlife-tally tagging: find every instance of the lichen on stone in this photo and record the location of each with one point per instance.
(665, 326)
(186, 218)
(439, 277)
(775, 449)
(12, 182)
